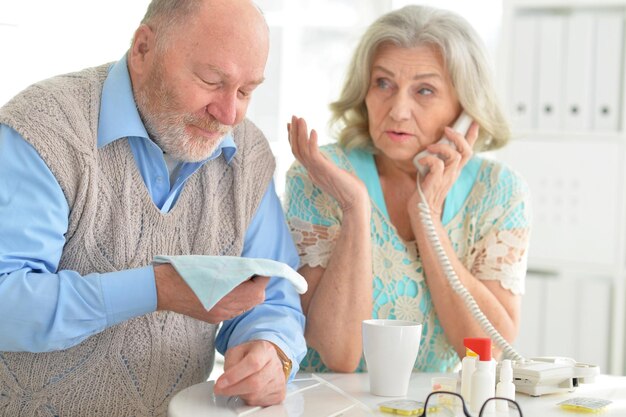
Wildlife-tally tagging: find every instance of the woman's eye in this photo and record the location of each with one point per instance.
(382, 83)
(424, 91)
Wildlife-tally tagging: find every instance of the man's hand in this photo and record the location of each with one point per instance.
(174, 294)
(253, 372)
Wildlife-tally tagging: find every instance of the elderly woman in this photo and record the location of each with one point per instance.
(353, 206)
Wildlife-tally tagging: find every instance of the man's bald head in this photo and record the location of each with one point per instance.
(165, 17)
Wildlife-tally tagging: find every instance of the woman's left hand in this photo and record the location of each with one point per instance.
(443, 173)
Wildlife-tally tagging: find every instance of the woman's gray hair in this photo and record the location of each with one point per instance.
(164, 15)
(465, 59)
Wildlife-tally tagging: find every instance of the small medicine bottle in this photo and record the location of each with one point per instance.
(505, 388)
(484, 377)
(468, 364)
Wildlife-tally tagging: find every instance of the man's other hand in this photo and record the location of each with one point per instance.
(254, 372)
(174, 294)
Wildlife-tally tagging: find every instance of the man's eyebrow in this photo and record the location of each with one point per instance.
(225, 76)
(260, 80)
(257, 81)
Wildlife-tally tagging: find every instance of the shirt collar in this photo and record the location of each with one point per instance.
(119, 117)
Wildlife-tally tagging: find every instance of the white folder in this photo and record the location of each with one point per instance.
(578, 71)
(550, 83)
(523, 98)
(608, 61)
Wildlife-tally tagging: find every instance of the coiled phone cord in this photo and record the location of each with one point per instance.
(457, 286)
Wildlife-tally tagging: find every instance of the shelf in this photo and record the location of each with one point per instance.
(570, 136)
(547, 4)
(555, 268)
(557, 54)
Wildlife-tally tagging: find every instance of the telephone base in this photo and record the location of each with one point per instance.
(550, 375)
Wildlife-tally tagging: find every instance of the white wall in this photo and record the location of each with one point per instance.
(41, 38)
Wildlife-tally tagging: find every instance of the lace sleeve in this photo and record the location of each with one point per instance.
(313, 216)
(503, 232)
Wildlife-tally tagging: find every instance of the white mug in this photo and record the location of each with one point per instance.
(390, 348)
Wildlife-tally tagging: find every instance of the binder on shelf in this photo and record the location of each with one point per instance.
(578, 72)
(550, 83)
(608, 46)
(523, 98)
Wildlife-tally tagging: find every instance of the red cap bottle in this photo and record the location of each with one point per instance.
(484, 377)
(481, 346)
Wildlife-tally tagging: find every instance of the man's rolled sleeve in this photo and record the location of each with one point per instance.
(279, 319)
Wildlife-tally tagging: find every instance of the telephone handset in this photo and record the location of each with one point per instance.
(461, 125)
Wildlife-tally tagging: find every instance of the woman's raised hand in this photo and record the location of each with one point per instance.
(343, 186)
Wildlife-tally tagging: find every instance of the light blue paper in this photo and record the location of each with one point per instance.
(212, 277)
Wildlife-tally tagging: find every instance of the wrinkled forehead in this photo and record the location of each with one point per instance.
(216, 35)
(419, 58)
(424, 50)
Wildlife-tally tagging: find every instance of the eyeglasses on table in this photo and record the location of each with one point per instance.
(451, 404)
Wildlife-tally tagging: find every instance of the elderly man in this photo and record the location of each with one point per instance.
(103, 169)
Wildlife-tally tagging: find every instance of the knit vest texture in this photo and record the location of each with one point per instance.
(134, 368)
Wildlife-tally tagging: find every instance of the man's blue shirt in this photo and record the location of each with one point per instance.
(44, 309)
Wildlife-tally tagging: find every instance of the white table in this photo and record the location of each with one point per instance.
(348, 395)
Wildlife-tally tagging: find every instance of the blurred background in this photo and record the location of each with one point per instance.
(558, 64)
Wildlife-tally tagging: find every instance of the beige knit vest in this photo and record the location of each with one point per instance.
(134, 368)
